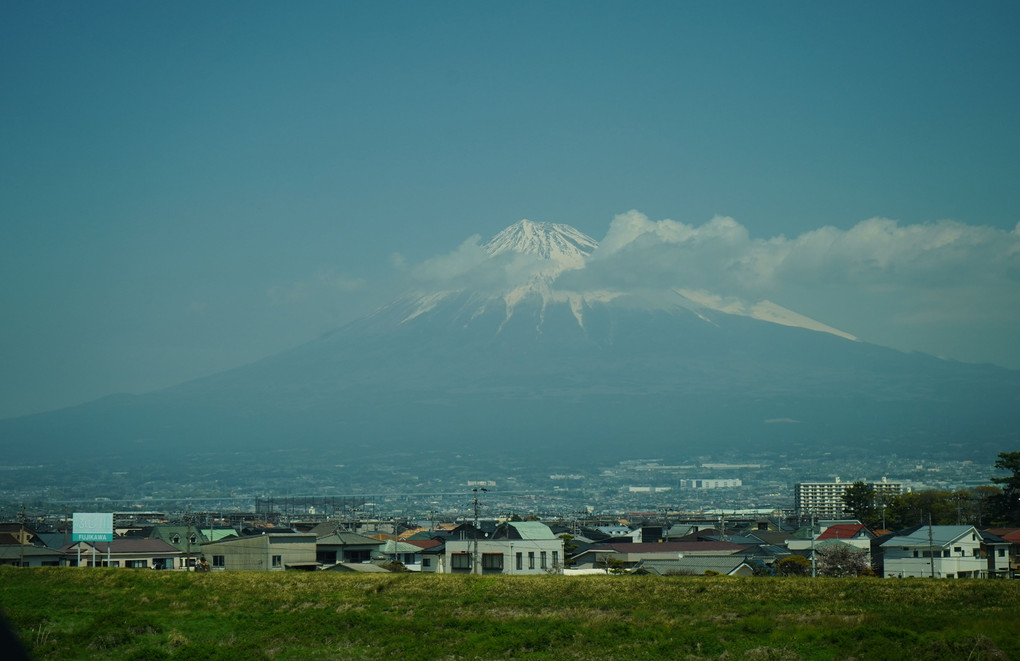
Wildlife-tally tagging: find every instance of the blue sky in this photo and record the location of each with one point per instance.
(186, 187)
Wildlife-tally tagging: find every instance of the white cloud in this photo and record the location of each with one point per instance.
(873, 252)
(943, 287)
(890, 283)
(468, 256)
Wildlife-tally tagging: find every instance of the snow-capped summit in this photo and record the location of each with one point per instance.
(560, 243)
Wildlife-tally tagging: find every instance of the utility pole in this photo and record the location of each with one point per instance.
(21, 537)
(476, 569)
(812, 533)
(187, 519)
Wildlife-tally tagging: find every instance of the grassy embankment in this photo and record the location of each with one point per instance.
(65, 613)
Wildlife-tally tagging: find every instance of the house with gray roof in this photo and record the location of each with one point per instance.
(934, 551)
(514, 547)
(343, 546)
(269, 551)
(629, 555)
(697, 565)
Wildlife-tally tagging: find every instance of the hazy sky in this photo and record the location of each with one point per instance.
(186, 187)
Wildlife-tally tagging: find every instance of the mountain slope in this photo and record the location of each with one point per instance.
(530, 369)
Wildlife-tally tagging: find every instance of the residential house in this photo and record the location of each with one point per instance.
(1012, 536)
(731, 565)
(935, 551)
(270, 551)
(405, 553)
(186, 539)
(23, 547)
(515, 547)
(342, 546)
(28, 555)
(124, 552)
(995, 550)
(629, 555)
(830, 533)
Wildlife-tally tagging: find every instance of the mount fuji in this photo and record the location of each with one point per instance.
(517, 354)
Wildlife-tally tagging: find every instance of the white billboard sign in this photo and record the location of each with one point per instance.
(92, 527)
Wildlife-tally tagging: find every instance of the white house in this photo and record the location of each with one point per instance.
(516, 547)
(936, 551)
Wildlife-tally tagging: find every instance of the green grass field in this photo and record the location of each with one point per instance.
(66, 613)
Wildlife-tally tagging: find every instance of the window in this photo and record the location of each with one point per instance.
(493, 561)
(426, 562)
(915, 554)
(977, 552)
(945, 553)
(1002, 553)
(957, 549)
(531, 559)
(136, 564)
(277, 560)
(460, 561)
(520, 560)
(218, 561)
(556, 558)
(545, 563)
(176, 539)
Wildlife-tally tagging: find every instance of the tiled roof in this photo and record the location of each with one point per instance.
(424, 543)
(1008, 534)
(842, 531)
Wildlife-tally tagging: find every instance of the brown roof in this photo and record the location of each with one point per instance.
(1008, 534)
(841, 531)
(424, 543)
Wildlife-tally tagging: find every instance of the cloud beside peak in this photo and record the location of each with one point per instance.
(876, 251)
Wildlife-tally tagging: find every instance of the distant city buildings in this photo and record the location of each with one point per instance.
(825, 499)
(711, 484)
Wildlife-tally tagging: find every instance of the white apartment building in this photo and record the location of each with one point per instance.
(825, 499)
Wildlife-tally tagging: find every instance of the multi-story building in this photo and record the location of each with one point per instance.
(727, 483)
(825, 499)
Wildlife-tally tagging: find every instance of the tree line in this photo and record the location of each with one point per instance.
(993, 505)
